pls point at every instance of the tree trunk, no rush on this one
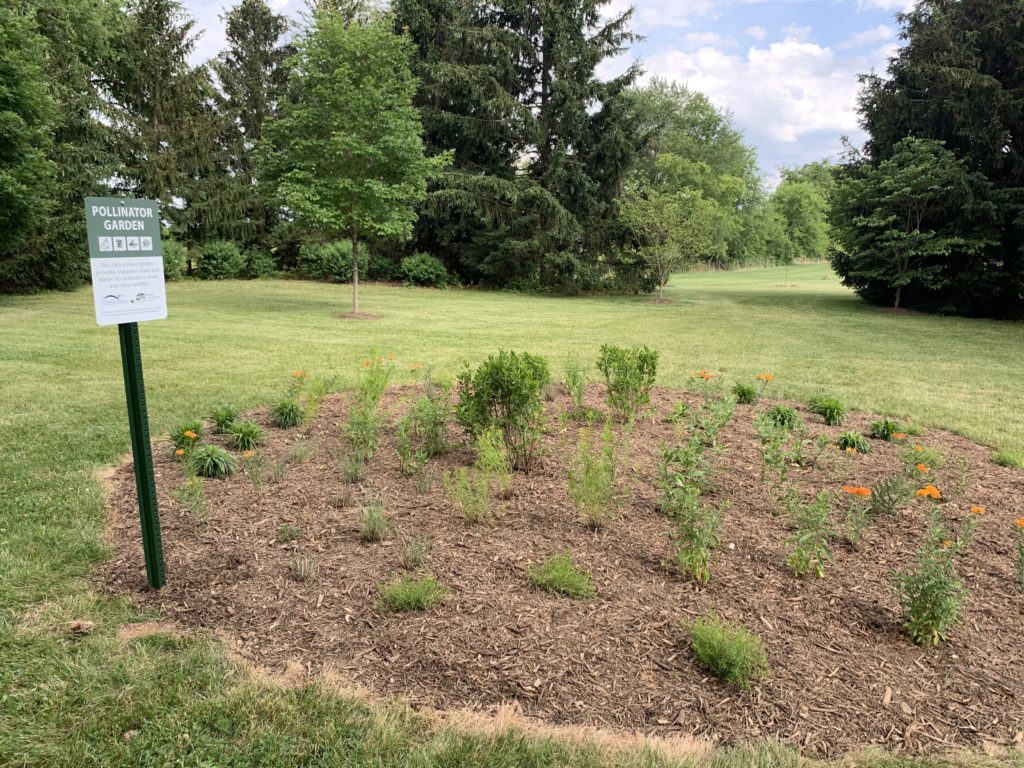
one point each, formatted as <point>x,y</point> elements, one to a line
<point>899,290</point>
<point>661,291</point>
<point>355,271</point>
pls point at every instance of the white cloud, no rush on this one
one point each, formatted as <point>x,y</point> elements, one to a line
<point>880,34</point>
<point>712,39</point>
<point>796,32</point>
<point>757,32</point>
<point>886,5</point>
<point>654,14</point>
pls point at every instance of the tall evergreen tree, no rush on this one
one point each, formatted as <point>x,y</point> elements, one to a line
<point>26,123</point>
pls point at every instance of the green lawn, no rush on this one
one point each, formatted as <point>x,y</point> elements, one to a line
<point>69,701</point>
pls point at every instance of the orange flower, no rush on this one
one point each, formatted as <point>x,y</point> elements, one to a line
<point>918,448</point>
<point>179,452</point>
<point>856,490</point>
<point>415,367</point>
<point>899,435</point>
<point>850,449</point>
<point>390,356</point>
<point>947,543</point>
<point>929,491</point>
<point>765,377</point>
<point>248,454</point>
<point>922,469</point>
<point>1020,523</point>
<point>190,434</point>
<point>978,509</point>
<point>299,374</point>
<point>366,363</point>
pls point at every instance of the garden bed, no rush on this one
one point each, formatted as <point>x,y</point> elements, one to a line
<point>843,673</point>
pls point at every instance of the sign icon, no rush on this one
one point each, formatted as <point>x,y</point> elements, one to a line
<point>106,244</point>
<point>120,244</point>
<point>133,243</point>
<point>145,243</point>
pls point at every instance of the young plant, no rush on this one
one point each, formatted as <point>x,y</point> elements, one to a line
<point>408,594</point>
<point>192,495</point>
<point>287,533</point>
<point>576,383</point>
<point>784,417</point>
<point>223,417</point>
<point>315,391</point>
<point>697,534</point>
<point>853,440</point>
<point>362,430</point>
<point>915,453</point>
<point>931,594</point>
<point>286,414</point>
<point>1019,526</point>
<point>429,420</point>
<point>403,446</point>
<point>255,467</point>
<point>351,464</point>
<point>493,462</point>
<point>592,477</point>
<point>414,553</point>
<point>745,394</point>
<point>728,651</point>
<point>830,409</point>
<point>680,413</point>
<point>884,429</point>
<point>246,435</point>
<point>858,513</point>
<point>470,492</point>
<point>560,575</point>
<point>809,548</point>
<point>300,451</point>
<point>211,461</point>
<point>373,524</point>
<point>628,376</point>
<point>505,392</point>
<point>890,494</point>
<point>305,568</point>
<point>187,435</point>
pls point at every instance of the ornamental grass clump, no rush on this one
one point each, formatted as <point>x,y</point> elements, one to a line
<point>809,542</point>
<point>830,409</point>
<point>362,429</point>
<point>470,492</point>
<point>884,429</point>
<point>931,593</point>
<point>505,392</point>
<point>729,651</point>
<point>246,435</point>
<point>373,524</point>
<point>560,575</point>
<point>223,417</point>
<point>784,417</point>
<point>286,414</point>
<point>211,461</point>
<point>629,374</point>
<point>745,394</point>
<point>188,434</point>
<point>406,593</point>
<point>591,477</point>
<point>855,441</point>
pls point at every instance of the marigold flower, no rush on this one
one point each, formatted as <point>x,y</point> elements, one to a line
<point>850,449</point>
<point>299,374</point>
<point>856,490</point>
<point>929,491</point>
<point>190,434</point>
<point>899,435</point>
<point>922,469</point>
<point>390,356</point>
<point>978,509</point>
<point>947,543</point>
<point>179,452</point>
<point>766,377</point>
<point>1020,523</point>
<point>918,448</point>
<point>366,363</point>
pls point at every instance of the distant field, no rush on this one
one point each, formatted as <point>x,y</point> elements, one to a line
<point>70,701</point>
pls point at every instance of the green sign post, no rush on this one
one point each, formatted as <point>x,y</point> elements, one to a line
<point>126,261</point>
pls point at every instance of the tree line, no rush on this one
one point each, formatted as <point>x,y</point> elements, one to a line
<point>458,140</point>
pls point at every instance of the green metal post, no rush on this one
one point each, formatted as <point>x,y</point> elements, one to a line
<point>142,455</point>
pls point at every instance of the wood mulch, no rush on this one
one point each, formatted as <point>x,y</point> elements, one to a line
<point>843,673</point>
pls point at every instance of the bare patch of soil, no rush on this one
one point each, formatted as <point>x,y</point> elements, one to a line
<point>843,674</point>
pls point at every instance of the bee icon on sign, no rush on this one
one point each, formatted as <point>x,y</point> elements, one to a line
<point>120,244</point>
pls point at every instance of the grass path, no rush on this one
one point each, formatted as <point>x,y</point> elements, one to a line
<point>69,701</point>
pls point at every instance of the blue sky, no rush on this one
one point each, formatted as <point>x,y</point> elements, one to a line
<point>786,69</point>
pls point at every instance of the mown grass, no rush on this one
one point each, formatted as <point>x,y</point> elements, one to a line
<point>97,700</point>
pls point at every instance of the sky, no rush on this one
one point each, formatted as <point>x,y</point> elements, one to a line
<point>786,69</point>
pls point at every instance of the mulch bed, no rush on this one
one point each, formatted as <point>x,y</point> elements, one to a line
<point>843,673</point>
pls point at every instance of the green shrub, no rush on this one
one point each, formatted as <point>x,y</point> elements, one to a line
<point>745,394</point>
<point>470,492</point>
<point>219,260</point>
<point>576,382</point>
<point>286,414</point>
<point>492,460</point>
<point>592,477</point>
<point>931,594</point>
<point>809,544</point>
<point>187,434</point>
<point>628,375</point>
<point>884,429</point>
<point>374,524</point>
<point>890,494</point>
<point>853,441</point>
<point>175,259</point>
<point>330,262</point>
<point>698,526</point>
<point>505,392</point>
<point>784,417</point>
<point>257,263</point>
<point>728,651</point>
<point>424,269</point>
<point>408,594</point>
<point>223,417</point>
<point>830,409</point>
<point>211,461</point>
<point>384,267</point>
<point>560,575</point>
<point>429,419</point>
<point>246,435</point>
